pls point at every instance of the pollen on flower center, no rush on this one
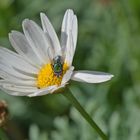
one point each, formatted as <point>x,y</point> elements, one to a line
<point>46,76</point>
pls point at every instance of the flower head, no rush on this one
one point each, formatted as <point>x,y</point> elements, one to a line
<point>42,64</point>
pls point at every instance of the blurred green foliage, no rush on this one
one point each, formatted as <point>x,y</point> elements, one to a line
<point>109,39</point>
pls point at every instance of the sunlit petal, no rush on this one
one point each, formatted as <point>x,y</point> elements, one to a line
<point>21,45</point>
<point>16,88</point>
<point>67,75</point>
<point>18,62</point>
<point>69,33</point>
<point>43,91</point>
<point>48,28</point>
<point>91,76</point>
<point>37,40</point>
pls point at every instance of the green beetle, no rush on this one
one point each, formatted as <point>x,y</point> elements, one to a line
<point>57,66</point>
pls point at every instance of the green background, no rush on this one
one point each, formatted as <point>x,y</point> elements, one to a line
<point>109,41</point>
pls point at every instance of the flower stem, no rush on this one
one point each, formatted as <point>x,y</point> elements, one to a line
<point>85,115</point>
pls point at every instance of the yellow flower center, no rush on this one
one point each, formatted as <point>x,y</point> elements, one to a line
<point>47,77</point>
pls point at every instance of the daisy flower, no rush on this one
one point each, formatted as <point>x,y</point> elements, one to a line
<point>42,64</point>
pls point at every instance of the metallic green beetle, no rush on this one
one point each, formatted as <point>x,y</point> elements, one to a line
<point>57,66</point>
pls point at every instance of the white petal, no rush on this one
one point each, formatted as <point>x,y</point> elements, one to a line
<point>23,82</point>
<point>16,88</point>
<point>69,24</point>
<point>4,68</point>
<point>14,93</point>
<point>43,91</point>
<point>21,45</point>
<point>51,53</point>
<point>48,28</point>
<point>69,33</point>
<point>20,82</point>
<point>16,61</point>
<point>91,76</point>
<point>67,75</point>
<point>36,39</point>
<point>14,79</point>
<point>69,52</point>
<point>58,87</point>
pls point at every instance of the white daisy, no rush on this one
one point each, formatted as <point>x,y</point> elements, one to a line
<point>42,64</point>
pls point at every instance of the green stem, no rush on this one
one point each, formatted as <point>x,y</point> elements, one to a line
<point>82,111</point>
